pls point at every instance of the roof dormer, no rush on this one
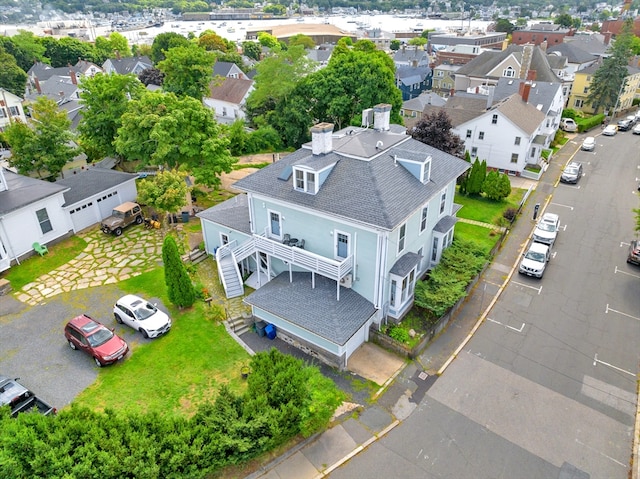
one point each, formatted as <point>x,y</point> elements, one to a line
<point>418,166</point>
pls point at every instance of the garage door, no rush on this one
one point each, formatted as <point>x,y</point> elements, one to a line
<point>84,216</point>
<point>107,202</point>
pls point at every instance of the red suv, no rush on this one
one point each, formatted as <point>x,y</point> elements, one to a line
<point>95,339</point>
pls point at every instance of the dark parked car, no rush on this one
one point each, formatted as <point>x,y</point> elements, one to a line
<point>20,399</point>
<point>634,252</point>
<point>95,339</point>
<point>625,125</point>
<point>572,173</point>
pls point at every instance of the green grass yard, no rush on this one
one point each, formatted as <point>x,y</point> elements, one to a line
<point>482,209</point>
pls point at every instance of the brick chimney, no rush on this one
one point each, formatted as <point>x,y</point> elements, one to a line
<point>544,45</point>
<point>74,78</point>
<point>321,139</point>
<point>117,52</point>
<point>525,89</point>
<point>37,84</point>
<point>532,75</point>
<point>381,116</point>
<point>607,37</point>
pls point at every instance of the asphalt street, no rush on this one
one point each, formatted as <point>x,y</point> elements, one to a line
<point>546,387</point>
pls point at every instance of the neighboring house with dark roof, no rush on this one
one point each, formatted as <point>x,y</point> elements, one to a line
<point>30,211</point>
<point>576,59</point>
<point>334,236</point>
<point>126,65</point>
<point>513,62</point>
<point>413,80</point>
<point>228,98</point>
<point>411,56</point>
<point>509,134</point>
<point>60,89</point>
<point>93,192</point>
<point>10,108</point>
<point>320,56</point>
<point>228,70</point>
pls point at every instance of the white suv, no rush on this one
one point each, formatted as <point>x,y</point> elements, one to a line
<point>535,260</point>
<point>547,229</point>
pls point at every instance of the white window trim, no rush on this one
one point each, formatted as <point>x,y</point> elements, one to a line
<point>424,218</point>
<point>402,240</point>
<point>404,289</point>
<point>271,233</point>
<point>305,182</point>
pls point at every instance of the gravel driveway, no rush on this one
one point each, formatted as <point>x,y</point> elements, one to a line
<point>33,347</point>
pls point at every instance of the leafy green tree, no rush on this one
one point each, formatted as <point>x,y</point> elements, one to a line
<point>332,95</point>
<point>504,25</point>
<point>179,286</point>
<point>277,76</point>
<point>435,129</point>
<point>115,46</point>
<point>364,45</point>
<point>141,50</point>
<point>211,41</point>
<point>495,187</point>
<point>276,9</point>
<point>12,77</point>
<point>105,99</point>
<point>187,70</point>
<point>267,40</point>
<point>166,192</point>
<point>25,47</point>
<point>394,45</point>
<point>67,51</point>
<point>45,147</point>
<point>252,49</point>
<point>564,20</point>
<point>610,78</point>
<point>418,41</point>
<point>165,41</point>
<point>476,177</point>
<point>637,212</point>
<point>301,39</point>
<point>162,129</point>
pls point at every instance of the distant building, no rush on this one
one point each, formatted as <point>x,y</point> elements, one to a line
<point>542,32</point>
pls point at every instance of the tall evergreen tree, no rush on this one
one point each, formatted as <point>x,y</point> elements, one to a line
<point>179,286</point>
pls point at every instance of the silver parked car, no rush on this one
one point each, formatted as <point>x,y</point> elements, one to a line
<point>572,173</point>
<point>535,260</point>
<point>547,229</point>
<point>589,143</point>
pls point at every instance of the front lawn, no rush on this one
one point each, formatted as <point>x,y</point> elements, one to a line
<point>176,372</point>
<point>482,209</point>
<point>483,237</point>
<point>35,266</point>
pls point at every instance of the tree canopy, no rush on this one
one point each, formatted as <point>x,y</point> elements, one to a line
<point>44,147</point>
<point>163,42</point>
<point>434,129</point>
<point>12,77</point>
<point>355,79</point>
<point>162,129</point>
<point>166,192</point>
<point>105,99</point>
<point>188,70</point>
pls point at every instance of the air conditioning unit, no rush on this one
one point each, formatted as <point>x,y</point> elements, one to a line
<point>347,281</point>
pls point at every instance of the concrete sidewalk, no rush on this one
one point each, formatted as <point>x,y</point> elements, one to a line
<point>404,390</point>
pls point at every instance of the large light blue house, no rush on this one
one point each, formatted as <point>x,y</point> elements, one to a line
<point>334,236</point>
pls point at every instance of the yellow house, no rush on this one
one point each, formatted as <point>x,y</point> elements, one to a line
<point>582,82</point>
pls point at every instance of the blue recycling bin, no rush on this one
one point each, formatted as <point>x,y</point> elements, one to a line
<point>270,331</point>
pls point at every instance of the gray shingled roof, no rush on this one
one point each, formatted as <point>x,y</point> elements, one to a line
<point>541,93</point>
<point>426,98</point>
<point>86,183</point>
<point>526,116</point>
<point>232,213</point>
<point>233,90</point>
<point>362,187</point>
<point>314,309</point>
<point>445,224</point>
<point>410,75</point>
<point>23,190</point>
<point>488,60</point>
<point>405,264</point>
<point>458,116</point>
<point>573,53</point>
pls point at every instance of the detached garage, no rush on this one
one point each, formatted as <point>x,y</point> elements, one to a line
<point>94,192</point>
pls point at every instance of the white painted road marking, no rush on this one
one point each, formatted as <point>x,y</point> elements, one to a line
<point>539,290</point>
<point>564,206</point>
<point>620,312</point>
<point>596,361</point>
<point>625,272</point>
<point>506,325</point>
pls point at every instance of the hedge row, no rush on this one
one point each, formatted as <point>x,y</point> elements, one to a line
<point>284,398</point>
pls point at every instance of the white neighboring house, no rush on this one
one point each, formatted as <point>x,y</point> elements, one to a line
<point>30,211</point>
<point>10,109</point>
<point>228,98</point>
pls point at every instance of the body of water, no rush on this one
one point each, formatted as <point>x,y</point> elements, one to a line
<point>236,30</point>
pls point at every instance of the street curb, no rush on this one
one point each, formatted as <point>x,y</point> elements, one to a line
<point>357,450</point>
<point>635,461</point>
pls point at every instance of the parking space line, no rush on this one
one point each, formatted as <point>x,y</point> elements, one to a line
<point>563,227</point>
<point>620,312</point>
<point>622,243</point>
<point>564,206</point>
<point>596,361</point>
<point>506,325</point>
<point>539,290</point>
<point>625,272</point>
<point>601,453</point>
